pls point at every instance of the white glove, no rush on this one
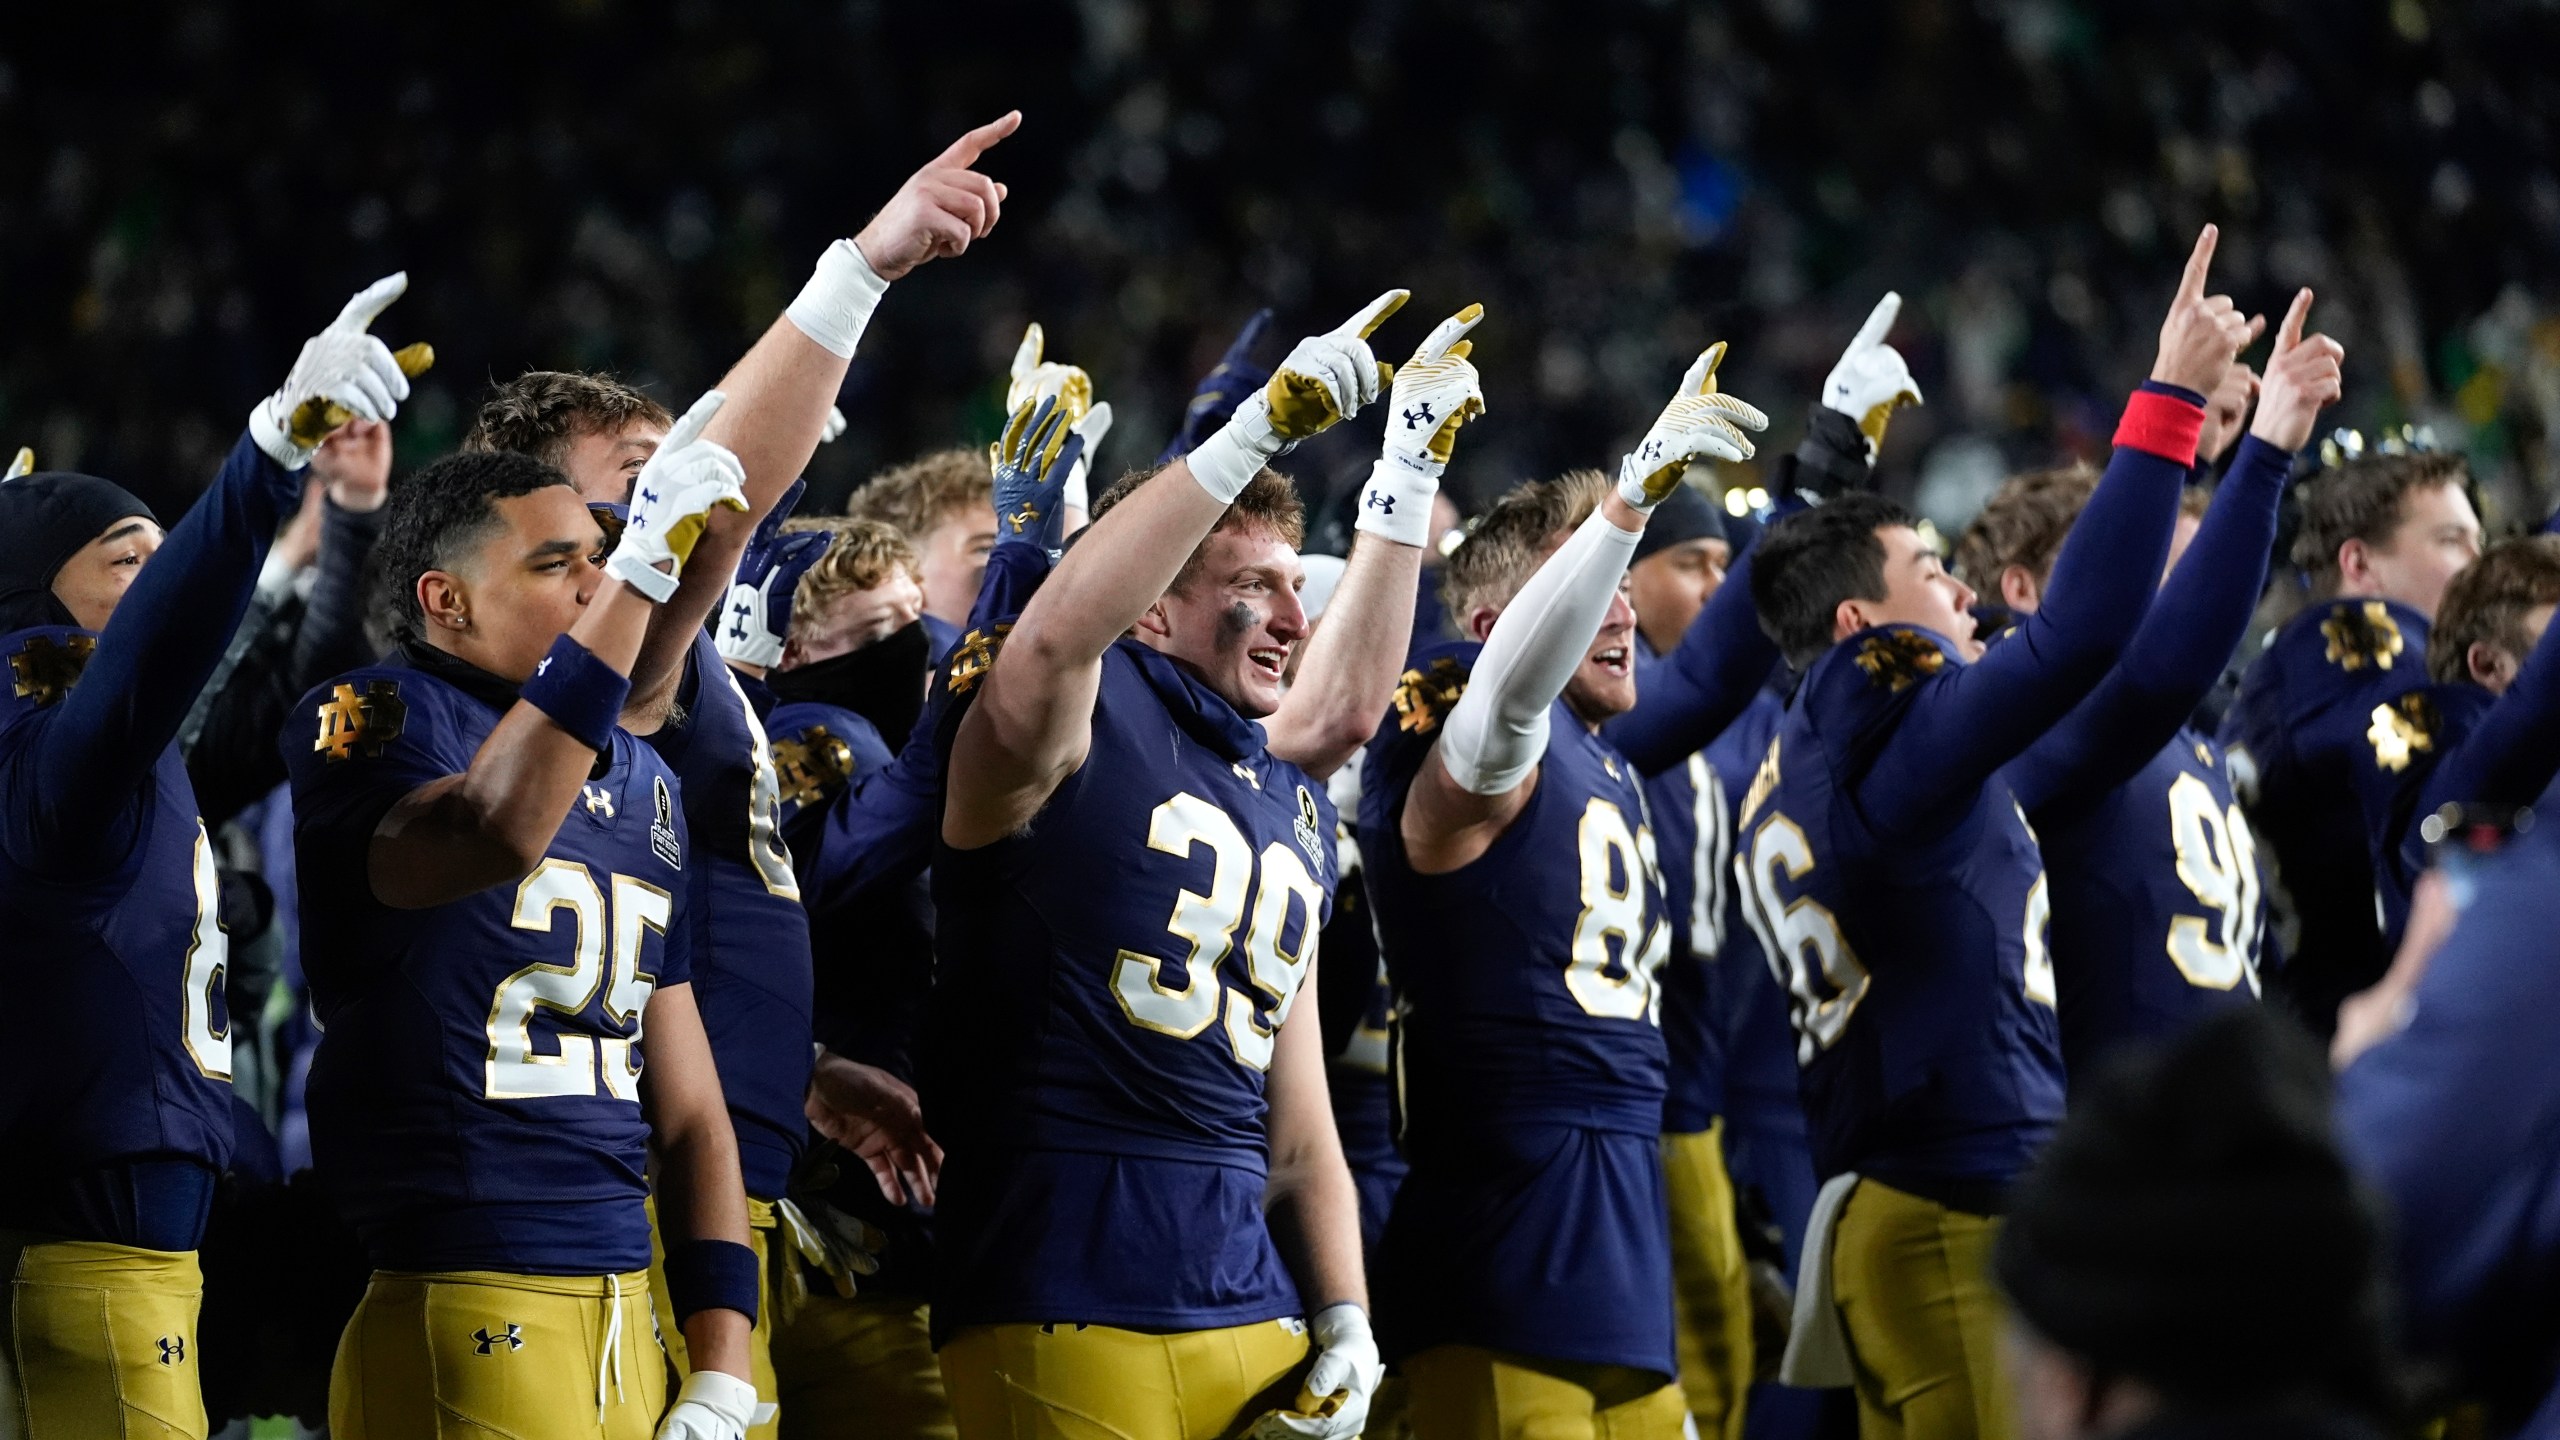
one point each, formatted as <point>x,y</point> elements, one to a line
<point>1347,1367</point>
<point>1325,380</point>
<point>1872,381</point>
<point>343,366</point>
<point>1077,493</point>
<point>710,1406</point>
<point>1436,392</point>
<point>1698,421</point>
<point>833,428</point>
<point>672,501</point>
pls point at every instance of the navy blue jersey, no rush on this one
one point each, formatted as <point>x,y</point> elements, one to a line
<point>1759,1042</point>
<point>1109,985</point>
<point>1923,994</point>
<point>2452,1120</point>
<point>125,963</point>
<point>750,940</point>
<point>1361,1084</point>
<point>1693,840</point>
<point>2297,737</point>
<point>1530,1049</point>
<point>475,1102</point>
<point>2158,912</point>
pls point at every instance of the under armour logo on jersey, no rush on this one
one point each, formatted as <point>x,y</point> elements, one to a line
<point>599,800</point>
<point>173,1350</point>
<point>1245,775</point>
<point>1419,416</point>
<point>512,1337</point>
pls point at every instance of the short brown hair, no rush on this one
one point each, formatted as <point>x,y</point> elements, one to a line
<point>542,412</point>
<point>927,492</point>
<point>1505,547</point>
<point>2486,603</point>
<point>2362,500</point>
<point>1268,502</point>
<point>865,553</point>
<point>2024,524</point>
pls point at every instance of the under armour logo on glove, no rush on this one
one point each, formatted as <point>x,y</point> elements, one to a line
<point>512,1337</point>
<point>1419,416</point>
<point>173,1350</point>
<point>647,497</point>
<point>1381,502</point>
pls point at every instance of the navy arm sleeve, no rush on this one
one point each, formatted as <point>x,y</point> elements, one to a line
<point>1721,662</point>
<point>2512,755</point>
<point>167,635</point>
<point>1964,726</point>
<point>2175,659</point>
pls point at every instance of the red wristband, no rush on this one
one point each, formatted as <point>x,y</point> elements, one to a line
<point>2162,425</point>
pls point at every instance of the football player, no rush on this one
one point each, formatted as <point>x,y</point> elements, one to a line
<point>2157,910</point>
<point>2380,540</point>
<point>1131,875</point>
<point>1680,563</point>
<point>1494,814</point>
<point>117,1110</point>
<point>751,933</point>
<point>494,904</point>
<point>2486,732</point>
<point>1890,873</point>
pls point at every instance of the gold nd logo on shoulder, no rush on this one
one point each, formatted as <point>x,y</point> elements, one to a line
<point>974,656</point>
<point>2402,729</point>
<point>1898,659</point>
<point>810,764</point>
<point>47,666</point>
<point>1425,698</point>
<point>371,719</point>
<point>2362,637</point>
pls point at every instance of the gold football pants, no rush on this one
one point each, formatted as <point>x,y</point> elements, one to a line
<point>1710,1282</point>
<point>509,1357</point>
<point>1912,1279</point>
<point>860,1369</point>
<point>1464,1392</point>
<point>1093,1382</point>
<point>761,1225</point>
<point>98,1341</point>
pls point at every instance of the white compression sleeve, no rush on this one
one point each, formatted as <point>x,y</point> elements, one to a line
<point>1498,729</point>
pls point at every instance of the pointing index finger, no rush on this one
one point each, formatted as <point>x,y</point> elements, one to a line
<point>1448,333</point>
<point>1373,314</point>
<point>964,152</point>
<point>2199,264</point>
<point>1879,322</point>
<point>372,300</point>
<point>2289,333</point>
<point>690,425</point>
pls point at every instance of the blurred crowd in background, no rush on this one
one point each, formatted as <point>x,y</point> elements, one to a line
<point>636,187</point>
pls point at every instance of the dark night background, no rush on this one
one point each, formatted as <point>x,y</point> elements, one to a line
<point>190,189</point>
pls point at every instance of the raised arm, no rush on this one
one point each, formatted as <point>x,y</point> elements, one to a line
<point>491,823</point>
<point>1962,726</point>
<point>1351,665</point>
<point>2203,609</point>
<point>781,391</point>
<point>171,628</point>
<point>1032,721</point>
<point>1483,768</point>
<point>1722,661</point>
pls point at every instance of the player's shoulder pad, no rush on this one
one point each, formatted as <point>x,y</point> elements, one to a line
<point>818,749</point>
<point>1428,690</point>
<point>44,664</point>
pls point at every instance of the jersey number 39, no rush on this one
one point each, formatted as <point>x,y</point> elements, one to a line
<point>1177,827</point>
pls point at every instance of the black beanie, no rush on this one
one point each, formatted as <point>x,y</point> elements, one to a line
<point>45,519</point>
<point>2194,1226</point>
<point>1682,516</point>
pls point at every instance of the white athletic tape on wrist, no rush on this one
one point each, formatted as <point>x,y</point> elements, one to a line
<point>836,304</point>
<point>1396,503</point>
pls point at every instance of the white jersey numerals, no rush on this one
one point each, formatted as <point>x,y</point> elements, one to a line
<point>1209,922</point>
<point>1712,860</point>
<point>1618,863</point>
<point>208,962</point>
<point>1802,938</point>
<point>2218,862</point>
<point>515,1071</point>
<point>764,804</point>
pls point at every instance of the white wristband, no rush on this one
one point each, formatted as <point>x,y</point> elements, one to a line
<point>836,304</point>
<point>1226,462</point>
<point>1396,503</point>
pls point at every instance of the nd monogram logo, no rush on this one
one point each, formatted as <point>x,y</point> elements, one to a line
<point>512,1337</point>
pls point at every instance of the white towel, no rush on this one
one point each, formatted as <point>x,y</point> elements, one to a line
<point>1817,1345</point>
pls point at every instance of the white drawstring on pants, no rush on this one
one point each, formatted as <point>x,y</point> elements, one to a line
<point>611,1361</point>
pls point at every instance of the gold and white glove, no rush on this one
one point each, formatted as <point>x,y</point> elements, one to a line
<point>1872,380</point>
<point>671,502</point>
<point>1698,421</point>
<point>1436,392</point>
<point>1325,380</point>
<point>341,374</point>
